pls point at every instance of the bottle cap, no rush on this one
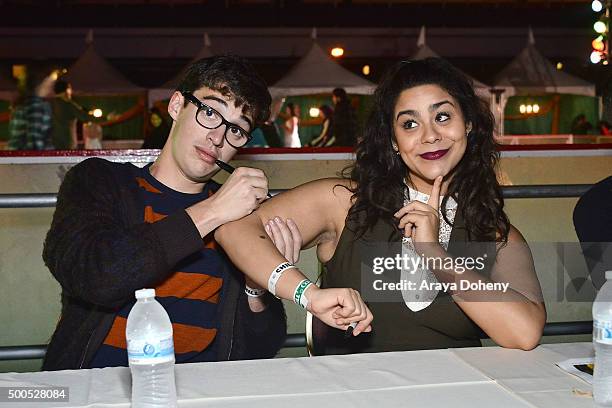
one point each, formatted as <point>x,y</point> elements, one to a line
<point>608,275</point>
<point>145,293</point>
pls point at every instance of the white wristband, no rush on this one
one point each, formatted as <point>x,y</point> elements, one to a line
<point>276,274</point>
<point>252,292</point>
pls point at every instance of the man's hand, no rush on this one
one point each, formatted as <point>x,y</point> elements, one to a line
<point>239,196</point>
<point>338,307</point>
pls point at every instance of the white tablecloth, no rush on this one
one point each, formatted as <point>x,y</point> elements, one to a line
<point>474,377</point>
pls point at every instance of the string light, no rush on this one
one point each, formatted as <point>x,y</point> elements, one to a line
<point>337,52</point>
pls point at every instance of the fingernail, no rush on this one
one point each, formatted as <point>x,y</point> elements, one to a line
<point>277,219</point>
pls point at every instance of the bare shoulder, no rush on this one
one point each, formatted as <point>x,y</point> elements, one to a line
<point>514,235</point>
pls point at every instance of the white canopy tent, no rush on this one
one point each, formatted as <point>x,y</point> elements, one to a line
<point>423,51</point>
<point>91,74</point>
<point>165,91</point>
<point>531,73</point>
<point>317,73</point>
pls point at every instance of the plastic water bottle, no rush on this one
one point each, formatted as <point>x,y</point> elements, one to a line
<point>150,353</point>
<point>602,342</point>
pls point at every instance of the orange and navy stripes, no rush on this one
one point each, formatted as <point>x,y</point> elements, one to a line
<point>191,295</point>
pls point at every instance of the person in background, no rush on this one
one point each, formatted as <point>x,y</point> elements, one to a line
<point>31,119</point>
<point>291,127</point>
<point>66,113</point>
<point>593,224</point>
<point>158,130</point>
<point>580,125</point>
<point>271,133</point>
<point>326,138</point>
<point>604,128</point>
<point>118,228</point>
<point>344,119</point>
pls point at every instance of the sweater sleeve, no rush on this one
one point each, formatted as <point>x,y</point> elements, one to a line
<point>95,253</point>
<point>262,334</point>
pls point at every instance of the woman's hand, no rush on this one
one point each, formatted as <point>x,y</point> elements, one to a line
<point>421,222</point>
<point>338,307</point>
<point>286,237</point>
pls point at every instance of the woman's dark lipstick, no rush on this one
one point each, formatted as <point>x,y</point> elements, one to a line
<point>434,155</point>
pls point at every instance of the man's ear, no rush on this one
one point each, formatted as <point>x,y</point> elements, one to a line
<point>175,105</point>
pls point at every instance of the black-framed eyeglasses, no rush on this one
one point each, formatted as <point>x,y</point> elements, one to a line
<point>209,118</point>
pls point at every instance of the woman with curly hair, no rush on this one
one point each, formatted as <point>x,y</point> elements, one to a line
<point>423,188</point>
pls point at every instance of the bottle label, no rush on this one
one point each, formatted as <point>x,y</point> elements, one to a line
<point>150,351</point>
<point>602,331</point>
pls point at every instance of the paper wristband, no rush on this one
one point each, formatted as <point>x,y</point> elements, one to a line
<point>299,296</point>
<point>276,274</point>
<point>252,292</point>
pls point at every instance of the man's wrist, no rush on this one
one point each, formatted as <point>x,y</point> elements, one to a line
<point>205,218</point>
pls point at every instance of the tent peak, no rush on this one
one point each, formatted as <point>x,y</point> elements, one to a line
<point>421,40</point>
<point>530,37</point>
<point>89,37</point>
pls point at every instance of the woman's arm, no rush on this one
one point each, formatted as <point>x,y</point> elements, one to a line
<point>515,318</point>
<point>321,139</point>
<point>319,209</point>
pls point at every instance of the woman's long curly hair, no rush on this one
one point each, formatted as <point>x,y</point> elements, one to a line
<point>380,174</point>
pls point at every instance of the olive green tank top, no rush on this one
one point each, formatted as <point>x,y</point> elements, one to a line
<point>395,327</point>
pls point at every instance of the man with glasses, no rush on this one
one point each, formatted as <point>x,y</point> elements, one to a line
<point>118,228</point>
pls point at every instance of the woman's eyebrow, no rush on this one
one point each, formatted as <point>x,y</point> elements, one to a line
<point>436,105</point>
<point>407,112</point>
<point>432,108</point>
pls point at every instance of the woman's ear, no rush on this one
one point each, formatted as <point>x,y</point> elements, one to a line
<point>468,128</point>
<point>175,105</point>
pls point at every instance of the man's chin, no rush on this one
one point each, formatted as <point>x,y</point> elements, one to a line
<point>199,178</point>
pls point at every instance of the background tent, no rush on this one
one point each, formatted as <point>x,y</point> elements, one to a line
<point>317,73</point>
<point>309,84</point>
<point>97,84</point>
<point>8,92</point>
<point>165,91</point>
<point>423,51</point>
<point>530,78</point>
<point>531,73</point>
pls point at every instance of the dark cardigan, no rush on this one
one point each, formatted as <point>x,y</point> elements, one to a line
<point>100,251</point>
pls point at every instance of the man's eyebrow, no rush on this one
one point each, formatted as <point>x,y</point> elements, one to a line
<point>247,120</point>
<point>224,103</point>
<point>214,98</point>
